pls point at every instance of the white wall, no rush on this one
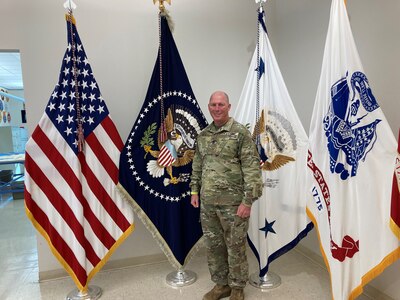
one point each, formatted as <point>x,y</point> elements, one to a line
<point>298,35</point>
<point>216,40</point>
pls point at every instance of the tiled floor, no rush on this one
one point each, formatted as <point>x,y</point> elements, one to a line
<point>301,277</point>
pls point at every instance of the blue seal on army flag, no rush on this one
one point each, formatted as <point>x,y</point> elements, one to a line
<point>155,164</point>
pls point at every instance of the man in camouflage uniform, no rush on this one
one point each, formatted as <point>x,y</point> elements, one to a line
<point>227,178</point>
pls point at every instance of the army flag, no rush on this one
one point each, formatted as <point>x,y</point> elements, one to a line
<point>395,207</point>
<point>278,219</point>
<point>351,158</point>
<point>155,164</point>
<point>71,176</point>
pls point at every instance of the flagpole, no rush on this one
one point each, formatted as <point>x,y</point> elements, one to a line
<point>180,277</point>
<point>92,292</point>
<point>270,280</point>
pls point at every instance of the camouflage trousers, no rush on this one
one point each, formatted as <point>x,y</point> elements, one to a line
<point>225,237</point>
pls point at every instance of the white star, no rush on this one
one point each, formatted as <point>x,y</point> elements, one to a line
<point>85,73</point>
<point>93,85</point>
<point>90,120</point>
<point>66,71</point>
<point>84,96</point>
<point>63,95</point>
<point>83,108</point>
<point>59,119</point>
<point>51,106</point>
<point>79,48</point>
<point>71,107</point>
<point>73,83</point>
<point>91,108</point>
<point>70,119</point>
<point>68,131</point>
<point>61,107</point>
<point>86,61</point>
<point>72,95</point>
<point>92,97</point>
<point>84,84</point>
<point>54,95</point>
<point>100,109</point>
<point>64,83</point>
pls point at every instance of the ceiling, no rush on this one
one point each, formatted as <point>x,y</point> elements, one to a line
<point>10,71</point>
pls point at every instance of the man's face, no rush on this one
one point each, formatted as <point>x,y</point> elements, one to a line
<point>219,109</point>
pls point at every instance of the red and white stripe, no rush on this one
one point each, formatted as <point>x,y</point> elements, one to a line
<point>165,157</point>
<point>73,200</point>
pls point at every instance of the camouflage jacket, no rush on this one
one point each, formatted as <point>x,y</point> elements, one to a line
<point>226,166</point>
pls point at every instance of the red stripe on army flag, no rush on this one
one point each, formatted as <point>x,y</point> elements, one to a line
<point>395,207</point>
<point>278,218</point>
<point>352,151</point>
<point>70,193</point>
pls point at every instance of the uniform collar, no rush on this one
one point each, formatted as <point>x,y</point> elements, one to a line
<point>226,127</point>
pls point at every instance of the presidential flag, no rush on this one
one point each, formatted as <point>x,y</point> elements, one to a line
<point>155,163</point>
<point>395,207</point>
<point>71,175</point>
<point>351,158</point>
<point>278,219</point>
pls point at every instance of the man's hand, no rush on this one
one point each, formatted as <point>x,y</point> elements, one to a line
<point>195,201</point>
<point>243,211</point>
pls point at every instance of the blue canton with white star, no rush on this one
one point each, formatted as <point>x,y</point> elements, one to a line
<point>61,108</point>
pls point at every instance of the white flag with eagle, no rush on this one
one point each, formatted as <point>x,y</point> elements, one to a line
<point>278,219</point>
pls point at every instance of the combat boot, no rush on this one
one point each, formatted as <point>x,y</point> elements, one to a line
<point>237,294</point>
<point>219,291</point>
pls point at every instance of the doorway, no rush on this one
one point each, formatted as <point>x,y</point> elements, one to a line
<point>18,248</point>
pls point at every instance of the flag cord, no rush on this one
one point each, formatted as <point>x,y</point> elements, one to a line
<point>163,129</point>
<point>257,124</point>
<point>81,139</point>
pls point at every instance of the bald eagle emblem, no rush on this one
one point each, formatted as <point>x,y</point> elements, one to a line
<point>276,140</point>
<point>175,142</point>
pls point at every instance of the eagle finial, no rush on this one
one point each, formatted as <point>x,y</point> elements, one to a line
<point>161,4</point>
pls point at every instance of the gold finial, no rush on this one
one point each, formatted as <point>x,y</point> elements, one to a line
<point>161,4</point>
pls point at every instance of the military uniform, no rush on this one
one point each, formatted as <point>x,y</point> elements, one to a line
<point>226,172</point>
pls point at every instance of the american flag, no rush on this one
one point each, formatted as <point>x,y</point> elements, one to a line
<point>71,195</point>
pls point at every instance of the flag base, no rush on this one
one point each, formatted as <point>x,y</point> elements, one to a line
<point>93,292</point>
<point>269,281</point>
<point>181,278</point>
